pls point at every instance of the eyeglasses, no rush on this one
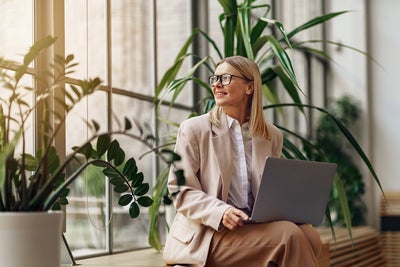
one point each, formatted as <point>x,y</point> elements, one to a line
<point>225,79</point>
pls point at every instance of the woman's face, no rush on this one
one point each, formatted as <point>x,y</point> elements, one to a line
<point>235,95</point>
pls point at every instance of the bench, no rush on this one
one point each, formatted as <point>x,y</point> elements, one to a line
<point>390,228</point>
<point>364,249</point>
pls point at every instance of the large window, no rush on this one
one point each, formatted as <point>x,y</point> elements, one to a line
<point>123,43</point>
<point>128,44</point>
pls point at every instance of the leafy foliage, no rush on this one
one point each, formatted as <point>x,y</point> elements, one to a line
<point>38,182</point>
<point>332,144</point>
<point>255,37</point>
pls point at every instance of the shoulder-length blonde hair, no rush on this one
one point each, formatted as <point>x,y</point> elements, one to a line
<point>249,69</point>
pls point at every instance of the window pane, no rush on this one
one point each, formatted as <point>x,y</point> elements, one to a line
<point>132,233</point>
<point>131,46</point>
<point>85,37</point>
<point>16,29</point>
<point>172,33</point>
<point>86,213</point>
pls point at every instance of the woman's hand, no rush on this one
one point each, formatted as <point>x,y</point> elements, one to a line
<point>233,218</point>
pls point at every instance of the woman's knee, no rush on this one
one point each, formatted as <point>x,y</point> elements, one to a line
<point>313,238</point>
<point>300,234</point>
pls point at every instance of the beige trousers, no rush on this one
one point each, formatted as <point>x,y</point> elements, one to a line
<point>281,243</point>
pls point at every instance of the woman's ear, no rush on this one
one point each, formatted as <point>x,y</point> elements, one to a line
<point>250,89</point>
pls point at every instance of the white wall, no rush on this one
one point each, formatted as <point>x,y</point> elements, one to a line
<point>371,26</point>
<point>385,90</point>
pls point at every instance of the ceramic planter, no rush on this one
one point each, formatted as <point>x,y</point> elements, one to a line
<point>30,239</point>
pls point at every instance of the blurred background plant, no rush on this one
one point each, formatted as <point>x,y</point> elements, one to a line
<point>331,142</point>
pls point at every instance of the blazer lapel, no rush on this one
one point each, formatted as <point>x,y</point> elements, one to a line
<point>222,149</point>
<point>260,150</point>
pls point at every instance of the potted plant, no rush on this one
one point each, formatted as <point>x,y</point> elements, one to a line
<point>253,38</point>
<point>329,140</point>
<point>33,185</point>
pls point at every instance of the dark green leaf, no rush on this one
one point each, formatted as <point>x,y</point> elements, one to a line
<point>63,201</point>
<point>121,188</point>
<point>137,179</point>
<point>145,201</point>
<point>100,163</point>
<point>87,150</point>
<point>180,177</point>
<point>117,181</point>
<point>103,143</point>
<point>142,189</point>
<point>113,150</point>
<point>128,124</point>
<point>134,210</point>
<point>125,200</point>
<point>96,125</point>
<point>130,168</point>
<point>167,200</point>
<point>173,156</point>
<point>119,157</point>
<point>111,173</point>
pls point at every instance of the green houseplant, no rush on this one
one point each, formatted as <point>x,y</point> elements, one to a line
<point>37,183</point>
<point>266,41</point>
<point>329,140</point>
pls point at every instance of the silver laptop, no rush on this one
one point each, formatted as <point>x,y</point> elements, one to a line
<point>293,190</point>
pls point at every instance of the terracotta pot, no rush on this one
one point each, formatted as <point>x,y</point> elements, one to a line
<point>30,239</point>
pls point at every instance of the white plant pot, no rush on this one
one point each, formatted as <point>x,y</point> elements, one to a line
<point>30,239</point>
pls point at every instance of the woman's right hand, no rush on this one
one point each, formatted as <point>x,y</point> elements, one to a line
<point>233,218</point>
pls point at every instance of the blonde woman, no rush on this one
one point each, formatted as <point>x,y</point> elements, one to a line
<point>223,154</point>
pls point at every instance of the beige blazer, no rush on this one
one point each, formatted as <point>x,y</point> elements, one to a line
<point>207,163</point>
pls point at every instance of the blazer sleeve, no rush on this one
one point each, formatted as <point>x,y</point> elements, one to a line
<point>192,201</point>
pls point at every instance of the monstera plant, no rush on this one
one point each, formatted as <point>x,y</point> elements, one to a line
<point>266,41</point>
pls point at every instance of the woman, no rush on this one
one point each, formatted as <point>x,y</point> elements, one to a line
<point>223,154</point>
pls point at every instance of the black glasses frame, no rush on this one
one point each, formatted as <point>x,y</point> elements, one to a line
<point>213,79</point>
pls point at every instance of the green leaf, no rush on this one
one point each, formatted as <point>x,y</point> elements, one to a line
<point>180,177</point>
<point>31,162</point>
<point>113,150</point>
<point>313,22</point>
<point>283,59</point>
<point>121,188</point>
<point>109,172</point>
<point>119,157</point>
<point>167,200</point>
<point>100,163</point>
<point>87,150</point>
<point>103,142</point>
<point>142,189</point>
<point>134,210</point>
<point>130,168</point>
<point>280,27</point>
<point>128,124</point>
<point>95,125</point>
<point>117,181</point>
<point>137,179</point>
<point>244,22</point>
<point>145,201</point>
<point>125,200</point>
<point>291,87</point>
<point>173,156</point>
<point>38,47</point>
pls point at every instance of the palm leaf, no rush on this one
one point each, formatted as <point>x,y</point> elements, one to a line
<point>353,142</point>
<point>313,22</point>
